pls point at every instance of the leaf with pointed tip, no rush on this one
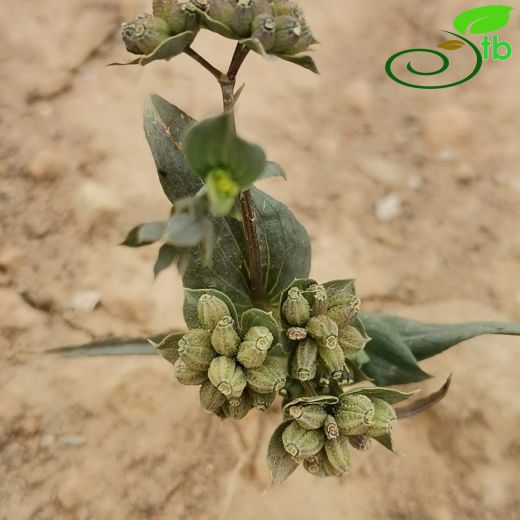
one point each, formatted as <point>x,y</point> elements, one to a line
<point>167,50</point>
<point>427,339</point>
<point>145,234</point>
<point>391,360</point>
<point>387,441</point>
<point>191,299</point>
<point>272,169</point>
<point>389,395</point>
<point>168,348</point>
<point>303,61</point>
<point>280,463</point>
<point>424,403</point>
<point>259,318</point>
<point>185,229</point>
<point>485,19</point>
<point>165,258</point>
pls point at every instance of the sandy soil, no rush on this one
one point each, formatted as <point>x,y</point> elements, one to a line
<point>119,439</point>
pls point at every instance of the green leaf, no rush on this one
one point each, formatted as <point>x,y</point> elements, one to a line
<point>391,360</point>
<point>167,50</point>
<point>389,395</point>
<point>213,144</point>
<point>387,441</point>
<point>145,234</point>
<point>165,258</point>
<point>339,292</point>
<point>191,298</point>
<point>259,318</point>
<point>272,169</point>
<point>280,463</point>
<point>168,348</point>
<point>425,340</point>
<point>303,61</point>
<point>164,126</point>
<point>485,19</point>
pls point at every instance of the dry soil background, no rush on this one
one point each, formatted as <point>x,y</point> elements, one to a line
<point>414,193</point>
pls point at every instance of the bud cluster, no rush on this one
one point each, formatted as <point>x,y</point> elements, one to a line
<point>321,435</point>
<point>234,368</point>
<point>322,330</point>
<point>276,26</point>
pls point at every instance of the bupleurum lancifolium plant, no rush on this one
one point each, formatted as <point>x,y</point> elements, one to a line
<point>258,326</point>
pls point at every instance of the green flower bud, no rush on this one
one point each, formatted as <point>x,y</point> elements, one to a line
<point>302,443</point>
<point>237,411</point>
<point>333,360</point>
<point>264,30</point>
<point>304,360</point>
<point>195,349</point>
<point>324,330</point>
<point>310,417</point>
<point>225,338</point>
<point>261,401</point>
<point>296,333</point>
<point>354,414</point>
<point>211,398</point>
<point>144,34</point>
<point>305,40</point>
<point>296,308</point>
<point>360,442</point>
<point>187,375</point>
<point>288,31</point>
<point>384,418</point>
<point>339,454</point>
<point>227,377</point>
<point>345,313</point>
<point>330,428</point>
<point>319,303</point>
<point>180,15</point>
<point>351,340</point>
<point>314,464</point>
<point>268,378</point>
<point>211,310</point>
<point>253,350</point>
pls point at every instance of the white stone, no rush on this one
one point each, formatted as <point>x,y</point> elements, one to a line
<point>388,208</point>
<point>85,301</point>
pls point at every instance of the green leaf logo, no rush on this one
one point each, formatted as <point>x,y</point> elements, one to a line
<point>483,19</point>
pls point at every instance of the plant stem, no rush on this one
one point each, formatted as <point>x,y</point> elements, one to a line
<point>309,388</point>
<point>227,85</point>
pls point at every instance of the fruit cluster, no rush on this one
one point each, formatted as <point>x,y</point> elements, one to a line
<point>322,431</point>
<point>234,368</point>
<point>322,331</point>
<point>267,26</point>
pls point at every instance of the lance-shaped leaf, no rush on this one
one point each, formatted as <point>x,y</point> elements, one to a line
<point>272,169</point>
<point>167,50</point>
<point>280,463</point>
<point>166,256</point>
<point>168,348</point>
<point>303,61</point>
<point>391,360</point>
<point>485,19</point>
<point>425,340</point>
<point>213,144</point>
<point>424,403</point>
<point>145,234</point>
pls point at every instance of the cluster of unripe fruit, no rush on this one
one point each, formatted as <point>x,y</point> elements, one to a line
<point>234,369</point>
<point>322,432</point>
<point>323,331</point>
<point>276,26</point>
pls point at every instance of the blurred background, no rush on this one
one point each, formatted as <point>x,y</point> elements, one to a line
<point>415,193</point>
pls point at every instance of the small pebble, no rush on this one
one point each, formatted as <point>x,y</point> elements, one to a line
<point>85,301</point>
<point>389,208</point>
<point>47,165</point>
<point>73,441</point>
<point>47,441</point>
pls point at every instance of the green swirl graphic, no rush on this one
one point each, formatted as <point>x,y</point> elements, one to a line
<point>442,68</point>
